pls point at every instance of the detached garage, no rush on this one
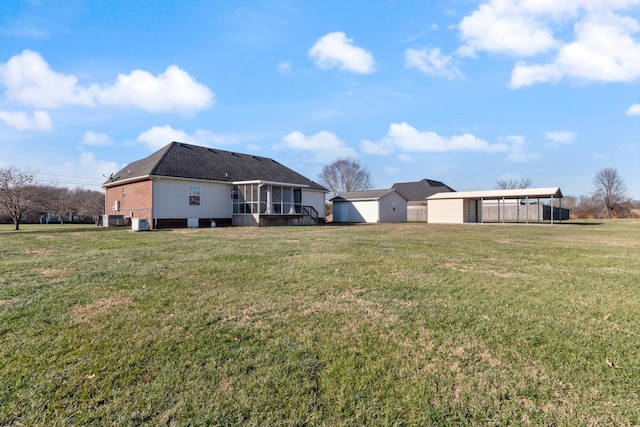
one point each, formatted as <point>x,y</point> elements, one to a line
<point>370,206</point>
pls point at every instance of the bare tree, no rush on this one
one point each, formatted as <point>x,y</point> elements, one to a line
<point>513,183</point>
<point>345,175</point>
<point>89,203</point>
<point>19,193</point>
<point>585,207</point>
<point>56,200</point>
<point>610,190</point>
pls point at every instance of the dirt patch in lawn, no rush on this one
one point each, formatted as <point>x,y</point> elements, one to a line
<point>40,251</point>
<point>353,307</point>
<point>477,270</point>
<point>88,312</point>
<point>54,273</point>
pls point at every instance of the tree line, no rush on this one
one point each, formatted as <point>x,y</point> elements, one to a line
<point>608,200</point>
<point>21,196</point>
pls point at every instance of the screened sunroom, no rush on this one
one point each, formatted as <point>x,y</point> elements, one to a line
<point>268,203</point>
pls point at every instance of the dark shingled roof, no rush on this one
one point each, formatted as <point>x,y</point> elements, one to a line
<point>420,190</point>
<point>179,160</point>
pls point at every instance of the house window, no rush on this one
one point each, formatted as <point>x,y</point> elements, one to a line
<point>194,195</point>
<point>124,192</point>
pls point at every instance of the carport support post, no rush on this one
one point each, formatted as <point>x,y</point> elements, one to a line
<point>481,210</point>
<point>502,209</point>
<point>526,210</point>
<point>551,210</point>
<point>560,210</point>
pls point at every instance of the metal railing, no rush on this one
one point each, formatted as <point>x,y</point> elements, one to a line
<point>310,212</point>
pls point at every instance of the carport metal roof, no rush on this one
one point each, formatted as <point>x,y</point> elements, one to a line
<point>522,193</point>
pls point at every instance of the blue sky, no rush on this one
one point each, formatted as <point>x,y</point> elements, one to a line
<point>465,92</point>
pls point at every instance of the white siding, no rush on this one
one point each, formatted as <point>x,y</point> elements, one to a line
<point>393,208</point>
<point>446,211</point>
<point>172,199</point>
<point>315,199</point>
<point>357,211</point>
<point>364,211</point>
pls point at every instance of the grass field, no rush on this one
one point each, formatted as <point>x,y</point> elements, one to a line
<point>388,324</point>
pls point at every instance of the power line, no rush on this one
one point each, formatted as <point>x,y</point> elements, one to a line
<point>68,179</point>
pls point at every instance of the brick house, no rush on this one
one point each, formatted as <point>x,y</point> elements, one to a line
<point>184,185</point>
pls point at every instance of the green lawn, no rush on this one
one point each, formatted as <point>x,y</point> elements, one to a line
<point>388,324</point>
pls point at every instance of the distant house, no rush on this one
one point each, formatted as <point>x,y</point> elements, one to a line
<point>417,192</point>
<point>370,206</point>
<point>183,185</point>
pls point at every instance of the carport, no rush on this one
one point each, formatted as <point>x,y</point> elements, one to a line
<point>511,206</point>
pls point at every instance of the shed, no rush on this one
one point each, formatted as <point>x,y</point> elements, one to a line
<point>370,206</point>
<point>467,206</point>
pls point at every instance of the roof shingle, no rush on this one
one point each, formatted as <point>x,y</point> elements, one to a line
<point>420,190</point>
<point>180,160</point>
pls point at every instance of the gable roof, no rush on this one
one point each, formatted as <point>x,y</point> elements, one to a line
<point>352,196</point>
<point>422,189</point>
<point>179,160</point>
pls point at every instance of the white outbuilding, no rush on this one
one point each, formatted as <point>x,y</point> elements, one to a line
<point>370,206</point>
<point>519,205</point>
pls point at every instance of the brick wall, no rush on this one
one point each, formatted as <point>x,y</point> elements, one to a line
<point>136,200</point>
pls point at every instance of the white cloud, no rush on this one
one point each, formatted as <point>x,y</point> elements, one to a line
<point>406,138</point>
<point>431,61</point>
<point>518,149</point>
<point>380,148</point>
<point>505,27</point>
<point>159,136</point>
<point>324,146</point>
<point>602,47</point>
<point>335,50</point>
<point>634,110</point>
<point>20,121</point>
<point>604,50</point>
<point>525,75</point>
<point>174,89</point>
<point>29,79</point>
<point>560,137</point>
<point>96,138</point>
